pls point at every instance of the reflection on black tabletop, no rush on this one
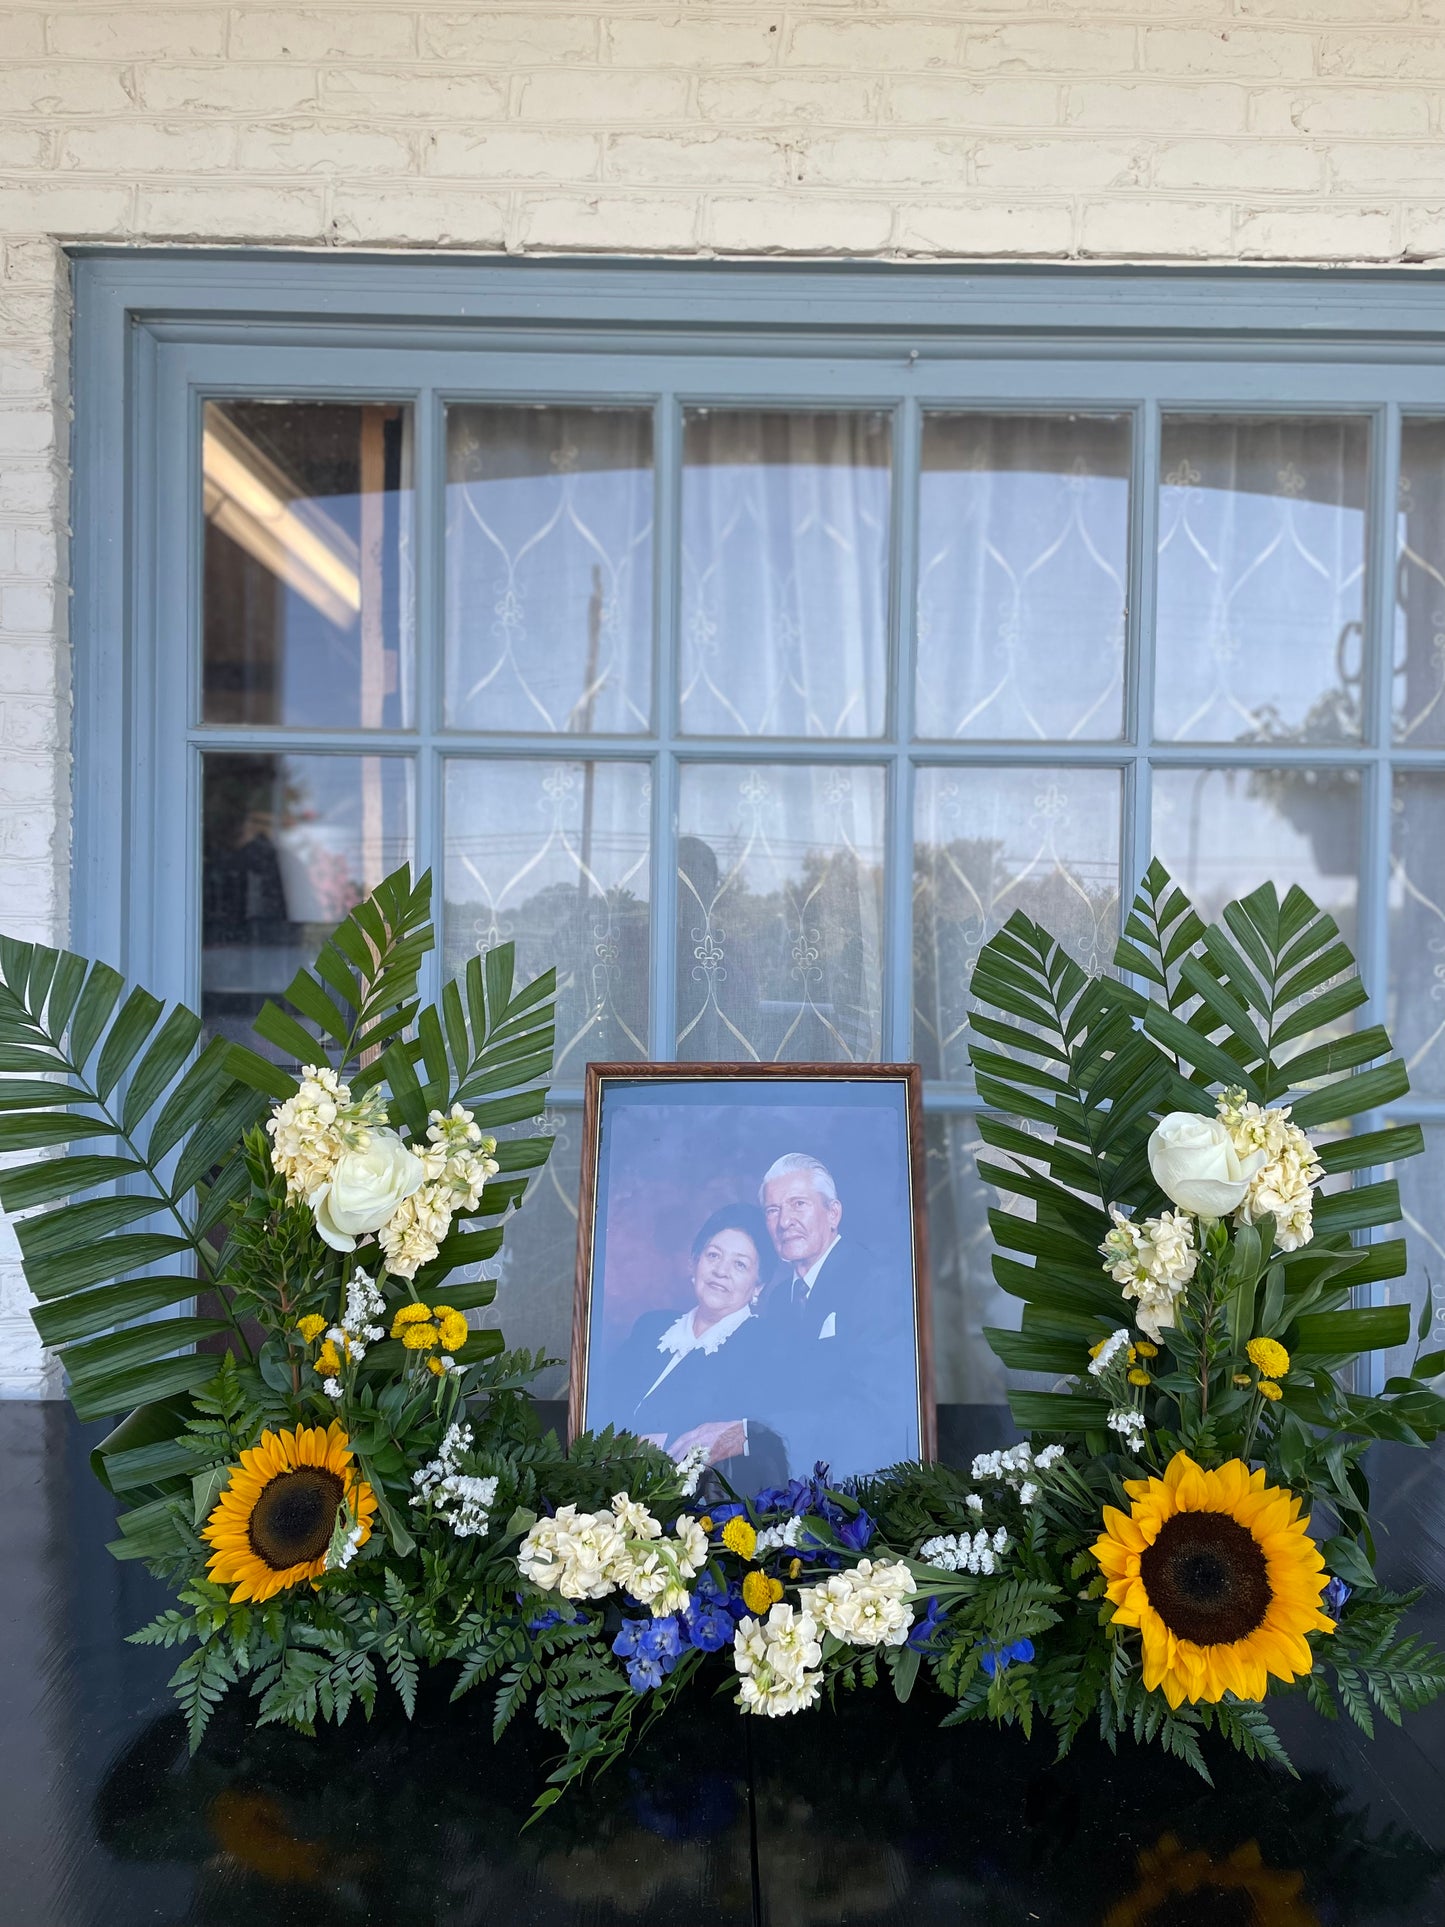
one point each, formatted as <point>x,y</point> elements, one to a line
<point>869,1814</point>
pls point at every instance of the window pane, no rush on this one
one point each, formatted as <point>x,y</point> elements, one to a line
<point>536,1273</point>
<point>1222,832</point>
<point>987,842</point>
<point>555,857</point>
<point>784,573</point>
<point>1417,929</point>
<point>289,845</point>
<point>1422,1223</point>
<point>1420,587</point>
<point>780,913</point>
<point>307,596</point>
<point>960,1246</point>
<point>549,568</point>
<point>1261,580</point>
<point>1022,564</point>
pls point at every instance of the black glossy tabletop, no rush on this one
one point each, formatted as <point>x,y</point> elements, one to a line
<point>868,1815</point>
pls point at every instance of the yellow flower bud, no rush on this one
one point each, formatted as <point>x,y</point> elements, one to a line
<point>1268,1389</point>
<point>1139,1377</point>
<point>1145,1349</point>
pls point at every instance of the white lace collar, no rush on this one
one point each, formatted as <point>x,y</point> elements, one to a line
<point>680,1339</point>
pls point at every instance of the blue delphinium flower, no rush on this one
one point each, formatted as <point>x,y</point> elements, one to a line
<point>855,1533</point>
<point>924,1633</point>
<point>544,1622</point>
<point>651,1648</point>
<point>1335,1595</point>
<point>711,1620</point>
<point>997,1659</point>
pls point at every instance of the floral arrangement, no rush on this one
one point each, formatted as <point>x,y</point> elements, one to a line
<point>356,1485</point>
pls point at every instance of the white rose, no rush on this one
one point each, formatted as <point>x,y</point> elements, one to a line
<point>365,1188</point>
<point>1196,1165</point>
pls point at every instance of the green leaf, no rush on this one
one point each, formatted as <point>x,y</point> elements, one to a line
<point>28,1185</point>
<point>96,1358</point>
<point>74,1227</point>
<point>98,999</point>
<point>173,1045</point>
<point>101,1397</point>
<point>1058,1411</point>
<point>109,1258</point>
<point>1365,1328</point>
<point>135,1022</point>
<point>84,1312</point>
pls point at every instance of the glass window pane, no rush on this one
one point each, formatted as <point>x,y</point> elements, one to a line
<point>784,573</point>
<point>556,857</point>
<point>1261,580</point>
<point>537,1270</point>
<point>1422,1223</point>
<point>1420,587</point>
<point>1022,564</point>
<point>1417,929</point>
<point>1222,832</point>
<point>960,1248</point>
<point>307,594</point>
<point>289,844</point>
<point>780,913</point>
<point>987,842</point>
<point>549,568</point>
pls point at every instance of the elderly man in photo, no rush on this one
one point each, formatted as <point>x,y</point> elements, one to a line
<point>845,1327</point>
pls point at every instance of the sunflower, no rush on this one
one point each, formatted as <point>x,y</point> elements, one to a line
<point>271,1526</point>
<point>1218,1572</point>
<point>1175,1885</point>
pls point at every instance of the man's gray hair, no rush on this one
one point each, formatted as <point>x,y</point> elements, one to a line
<point>800,1161</point>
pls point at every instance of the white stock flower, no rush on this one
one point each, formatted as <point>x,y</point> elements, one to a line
<point>1282,1187</point>
<point>365,1188</point>
<point>654,1570</point>
<point>1152,1263</point>
<point>456,1162</point>
<point>1196,1165</point>
<point>864,1605</point>
<point>976,1552</point>
<point>1116,1342</point>
<point>690,1468</point>
<point>1129,1423</point>
<point>776,1661</point>
<point>577,1554</point>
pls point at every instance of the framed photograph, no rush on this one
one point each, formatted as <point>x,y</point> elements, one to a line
<point>752,1268</point>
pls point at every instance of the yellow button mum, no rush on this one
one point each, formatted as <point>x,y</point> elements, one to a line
<point>1220,1576</point>
<point>1268,1389</point>
<point>311,1326</point>
<point>739,1537</point>
<point>271,1526</point>
<point>760,1594</point>
<point>1269,1356</point>
<point>453,1327</point>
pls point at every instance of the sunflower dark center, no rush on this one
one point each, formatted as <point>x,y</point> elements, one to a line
<point>1206,1578</point>
<point>292,1520</point>
<point>1205,1906</point>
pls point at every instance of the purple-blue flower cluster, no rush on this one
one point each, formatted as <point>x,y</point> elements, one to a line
<point>1335,1595</point>
<point>652,1647</point>
<point>851,1528</point>
<point>998,1659</point>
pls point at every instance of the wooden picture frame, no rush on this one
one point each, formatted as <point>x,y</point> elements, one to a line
<point>892,1212</point>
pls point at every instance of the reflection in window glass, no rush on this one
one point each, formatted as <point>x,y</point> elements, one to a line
<point>555,857</point>
<point>289,844</point>
<point>1417,929</point>
<point>1223,832</point>
<point>780,914</point>
<point>784,573</point>
<point>1261,580</point>
<point>549,568</point>
<point>1022,565</point>
<point>960,1248</point>
<point>988,842</point>
<point>1422,1225</point>
<point>537,1268</point>
<point>1420,587</point>
<point>307,599</point>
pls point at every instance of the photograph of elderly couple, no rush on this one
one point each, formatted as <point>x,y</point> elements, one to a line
<point>750,1277</point>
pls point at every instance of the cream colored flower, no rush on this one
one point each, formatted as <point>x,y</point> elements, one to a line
<point>1196,1165</point>
<point>365,1188</point>
<point>777,1660</point>
<point>1282,1187</point>
<point>1151,1262</point>
<point>865,1605</point>
<point>577,1554</point>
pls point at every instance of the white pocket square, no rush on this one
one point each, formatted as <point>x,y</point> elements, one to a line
<point>830,1326</point>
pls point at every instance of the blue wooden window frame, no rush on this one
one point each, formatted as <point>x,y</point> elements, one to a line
<point>158,332</point>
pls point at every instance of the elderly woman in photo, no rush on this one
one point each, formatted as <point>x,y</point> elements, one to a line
<point>702,1377</point>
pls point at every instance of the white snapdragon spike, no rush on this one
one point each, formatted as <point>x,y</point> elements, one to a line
<point>777,1661</point>
<point>977,1552</point>
<point>456,1163</point>
<point>1129,1423</point>
<point>864,1605</point>
<point>690,1468</point>
<point>577,1554</point>
<point>1283,1186</point>
<point>634,1518</point>
<point>1116,1342</point>
<point>655,1571</point>
<point>365,1308</point>
<point>1152,1263</point>
<point>777,1538</point>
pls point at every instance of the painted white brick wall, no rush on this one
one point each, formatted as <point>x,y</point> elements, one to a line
<point>1161,130</point>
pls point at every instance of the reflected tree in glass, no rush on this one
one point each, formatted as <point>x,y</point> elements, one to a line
<point>1022,565</point>
<point>1261,570</point>
<point>784,573</point>
<point>780,913</point>
<point>307,593</point>
<point>556,858</point>
<point>988,842</point>
<point>549,568</point>
<point>289,845</point>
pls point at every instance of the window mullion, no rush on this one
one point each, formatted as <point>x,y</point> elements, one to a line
<point>429,614</point>
<point>898,880</point>
<point>667,566</point>
<point>1136,848</point>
